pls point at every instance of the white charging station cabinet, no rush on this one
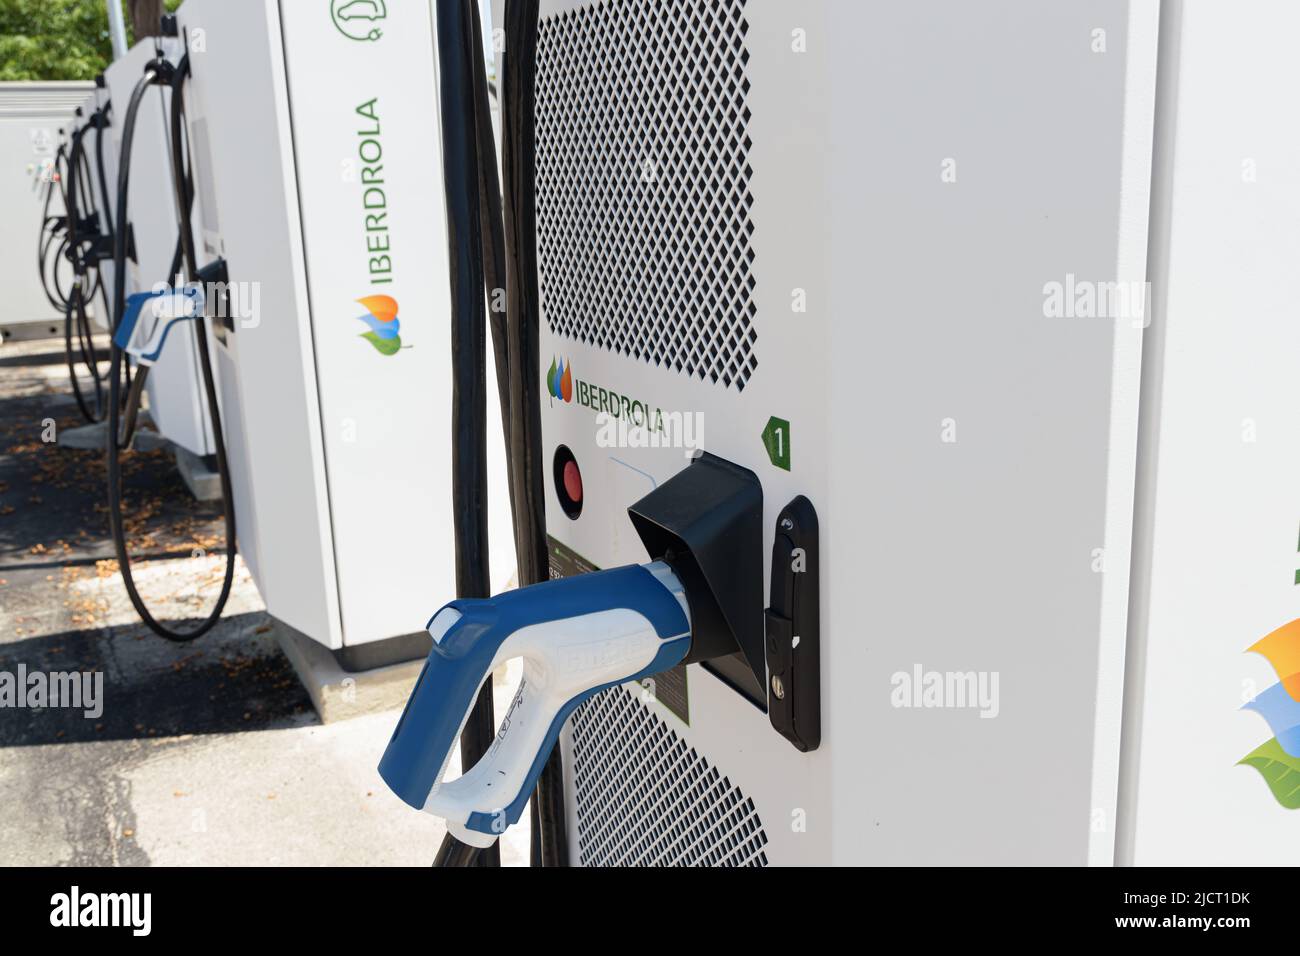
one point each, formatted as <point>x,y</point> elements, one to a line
<point>1216,565</point>
<point>31,117</point>
<point>833,232</point>
<point>319,174</point>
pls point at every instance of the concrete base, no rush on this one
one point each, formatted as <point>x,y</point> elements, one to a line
<point>204,483</point>
<point>32,331</point>
<point>338,694</point>
<point>94,437</point>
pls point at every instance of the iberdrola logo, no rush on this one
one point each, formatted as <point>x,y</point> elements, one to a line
<point>559,381</point>
<point>381,316</point>
<point>1278,760</point>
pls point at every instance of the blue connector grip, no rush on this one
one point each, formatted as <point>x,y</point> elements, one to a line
<point>577,636</point>
<point>182,305</point>
<point>135,304</point>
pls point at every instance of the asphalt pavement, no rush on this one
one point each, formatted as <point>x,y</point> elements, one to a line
<point>202,753</point>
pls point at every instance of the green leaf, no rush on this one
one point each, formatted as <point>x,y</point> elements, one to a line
<point>550,379</point>
<point>386,346</point>
<point>1280,771</point>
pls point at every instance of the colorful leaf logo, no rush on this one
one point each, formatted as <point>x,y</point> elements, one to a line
<point>1278,760</point>
<point>559,381</point>
<point>381,316</point>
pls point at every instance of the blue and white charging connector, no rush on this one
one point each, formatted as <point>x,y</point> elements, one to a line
<point>167,307</point>
<point>577,636</point>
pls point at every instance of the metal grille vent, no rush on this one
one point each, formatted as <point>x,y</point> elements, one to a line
<point>646,798</point>
<point>643,182</point>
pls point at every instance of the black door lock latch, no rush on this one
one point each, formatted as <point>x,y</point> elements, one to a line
<point>793,628</point>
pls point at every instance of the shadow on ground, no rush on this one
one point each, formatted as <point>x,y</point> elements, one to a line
<point>234,680</point>
<point>61,602</point>
<point>53,500</point>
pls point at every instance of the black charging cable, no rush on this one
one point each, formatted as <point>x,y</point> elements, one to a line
<point>54,229</point>
<point>82,234</point>
<point>162,73</point>
<point>493,246</point>
<point>550,845</point>
<point>469,378</point>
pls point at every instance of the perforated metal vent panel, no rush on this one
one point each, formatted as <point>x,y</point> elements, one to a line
<point>646,798</point>
<point>643,182</point>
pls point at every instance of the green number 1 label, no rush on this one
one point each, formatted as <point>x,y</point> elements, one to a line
<point>776,439</point>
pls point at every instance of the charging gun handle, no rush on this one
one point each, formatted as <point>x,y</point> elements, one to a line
<point>182,305</point>
<point>577,636</point>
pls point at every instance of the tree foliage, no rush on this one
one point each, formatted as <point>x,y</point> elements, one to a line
<point>56,39</point>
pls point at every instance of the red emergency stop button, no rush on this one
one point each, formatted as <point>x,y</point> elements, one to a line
<point>573,481</point>
<point>568,481</point>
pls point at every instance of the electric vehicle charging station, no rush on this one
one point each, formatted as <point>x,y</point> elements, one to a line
<point>862,340</point>
<point>897,403</point>
<point>1216,561</point>
<point>33,118</point>
<point>333,348</point>
<point>55,270</point>
<point>74,242</point>
<point>954,456</point>
<point>176,401</point>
